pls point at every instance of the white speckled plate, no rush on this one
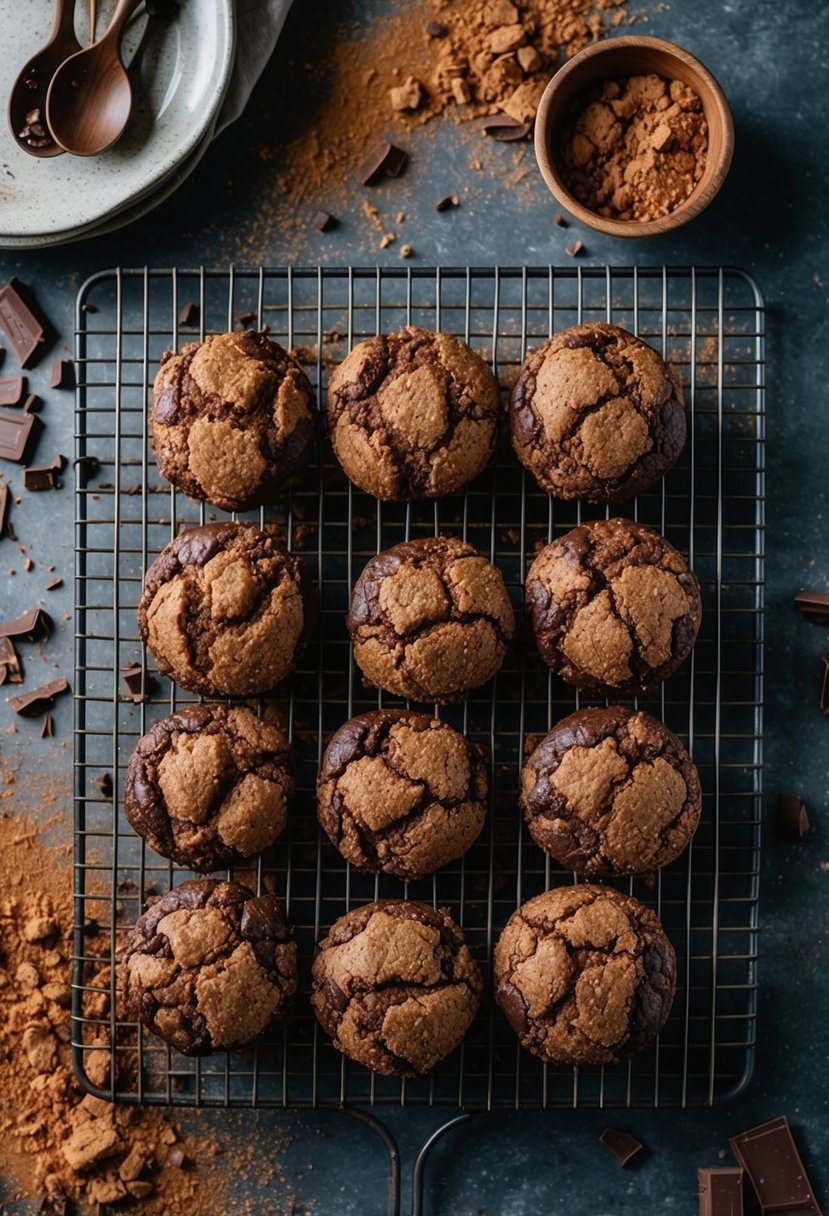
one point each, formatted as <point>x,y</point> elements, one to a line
<point>179,81</point>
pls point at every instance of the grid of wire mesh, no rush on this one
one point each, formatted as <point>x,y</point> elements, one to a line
<point>709,323</point>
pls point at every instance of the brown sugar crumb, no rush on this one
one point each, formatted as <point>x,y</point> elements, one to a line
<point>635,149</point>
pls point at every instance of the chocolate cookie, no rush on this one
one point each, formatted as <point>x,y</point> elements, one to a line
<point>613,606</point>
<point>232,419</point>
<point>225,610</point>
<point>584,975</point>
<point>610,791</point>
<point>395,986</point>
<point>595,413</point>
<point>208,785</point>
<point>430,619</point>
<point>401,792</point>
<point>209,966</point>
<point>412,414</point>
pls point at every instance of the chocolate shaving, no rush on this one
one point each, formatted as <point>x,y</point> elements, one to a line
<point>47,727</point>
<point>386,160</point>
<point>136,683</point>
<point>4,509</point>
<point>190,314</point>
<point>103,784</point>
<point>20,325</point>
<point>10,668</point>
<point>824,688</point>
<point>54,584</point>
<point>504,128</point>
<point>814,606</point>
<point>12,389</point>
<point>561,221</point>
<point>769,1156</point>
<point>63,374</point>
<point>720,1191</point>
<point>792,818</point>
<point>44,477</point>
<point>39,699</point>
<point>32,624</point>
<point>89,307</point>
<point>323,221</point>
<point>621,1144</point>
<point>448,200</point>
<point>32,404</point>
<point>574,250</point>
<point>16,432</point>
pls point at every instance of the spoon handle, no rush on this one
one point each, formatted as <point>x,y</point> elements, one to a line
<point>123,11</point>
<point>64,22</point>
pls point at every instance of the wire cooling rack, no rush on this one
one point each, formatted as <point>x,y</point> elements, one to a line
<point>709,322</point>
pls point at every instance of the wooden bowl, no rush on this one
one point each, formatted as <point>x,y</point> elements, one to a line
<point>615,59</point>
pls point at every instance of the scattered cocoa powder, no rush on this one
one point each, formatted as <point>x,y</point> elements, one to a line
<point>635,149</point>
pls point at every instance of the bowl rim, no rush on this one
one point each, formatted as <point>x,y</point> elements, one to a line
<point>704,193</point>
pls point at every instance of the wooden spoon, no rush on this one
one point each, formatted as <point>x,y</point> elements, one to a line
<point>90,97</point>
<point>30,89</point>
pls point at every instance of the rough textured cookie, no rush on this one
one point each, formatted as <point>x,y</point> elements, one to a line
<point>208,785</point>
<point>613,606</point>
<point>209,966</point>
<point>610,791</point>
<point>412,414</point>
<point>225,610</point>
<point>595,413</point>
<point>430,619</point>
<point>401,792</point>
<point>584,975</point>
<point>232,419</point>
<point>395,986</point>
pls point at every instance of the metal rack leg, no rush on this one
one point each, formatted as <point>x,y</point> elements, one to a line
<point>420,1161</point>
<point>393,1152</point>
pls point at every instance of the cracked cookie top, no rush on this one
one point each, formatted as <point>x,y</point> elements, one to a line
<point>401,792</point>
<point>613,606</point>
<point>232,419</point>
<point>395,986</point>
<point>584,975</point>
<point>208,785</point>
<point>225,610</point>
<point>597,414</point>
<point>611,791</point>
<point>412,415</point>
<point>209,966</point>
<point>430,619</point>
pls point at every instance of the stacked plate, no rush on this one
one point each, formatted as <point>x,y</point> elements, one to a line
<point>180,67</point>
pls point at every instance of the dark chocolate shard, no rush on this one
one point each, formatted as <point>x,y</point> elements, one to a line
<point>89,308</point>
<point>386,160</point>
<point>103,784</point>
<point>16,431</point>
<point>504,128</point>
<point>448,200</point>
<point>63,374</point>
<point>189,314</point>
<point>136,683</point>
<point>561,221</point>
<point>814,605</point>
<point>324,221</point>
<point>44,477</point>
<point>5,502</point>
<point>32,404</point>
<point>824,688</point>
<point>792,817</point>
<point>720,1191</point>
<point>10,668</point>
<point>769,1156</point>
<point>33,624</point>
<point>54,584</point>
<point>23,329</point>
<point>574,250</point>
<point>47,727</point>
<point>12,389</point>
<point>39,699</point>
<point>621,1144</point>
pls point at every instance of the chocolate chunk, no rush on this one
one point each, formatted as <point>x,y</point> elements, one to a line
<point>135,683</point>
<point>561,221</point>
<point>28,564</point>
<point>12,389</point>
<point>39,699</point>
<point>89,308</point>
<point>814,605</point>
<point>20,325</point>
<point>176,1158</point>
<point>15,434</point>
<point>189,314</point>
<point>622,1145</point>
<point>720,1191</point>
<point>55,583</point>
<point>103,784</point>
<point>33,624</point>
<point>91,927</point>
<point>5,498</point>
<point>10,668</point>
<point>436,30</point>
<point>769,1156</point>
<point>63,374</point>
<point>32,404</point>
<point>448,200</point>
<point>386,160</point>
<point>574,250</point>
<point>792,818</point>
<point>47,727</point>
<point>504,128</point>
<point>245,319</point>
<point>44,477</point>
<point>323,221</point>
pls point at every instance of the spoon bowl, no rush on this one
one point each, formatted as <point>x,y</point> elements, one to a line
<point>27,101</point>
<point>90,96</point>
